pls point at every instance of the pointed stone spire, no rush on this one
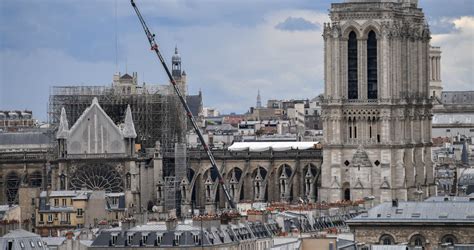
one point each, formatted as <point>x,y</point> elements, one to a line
<point>259,100</point>
<point>95,101</point>
<point>129,128</point>
<point>63,129</point>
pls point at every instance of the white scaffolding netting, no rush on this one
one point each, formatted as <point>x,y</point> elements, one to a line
<point>275,146</point>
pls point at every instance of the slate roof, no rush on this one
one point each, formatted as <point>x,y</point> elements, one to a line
<point>126,77</point>
<point>457,97</point>
<point>22,239</point>
<point>221,235</point>
<point>21,138</point>
<point>419,212</point>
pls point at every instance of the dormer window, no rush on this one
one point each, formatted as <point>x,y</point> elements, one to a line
<point>159,238</point>
<point>177,237</point>
<point>114,239</point>
<point>196,239</point>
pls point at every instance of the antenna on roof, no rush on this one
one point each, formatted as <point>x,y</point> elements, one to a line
<point>116,38</point>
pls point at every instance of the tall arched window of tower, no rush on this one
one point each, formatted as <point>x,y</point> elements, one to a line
<point>372,65</point>
<point>352,85</point>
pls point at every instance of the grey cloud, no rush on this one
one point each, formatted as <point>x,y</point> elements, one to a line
<point>296,24</point>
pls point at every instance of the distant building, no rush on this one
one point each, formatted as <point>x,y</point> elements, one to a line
<point>16,120</point>
<point>67,210</point>
<point>10,218</point>
<point>430,224</point>
<point>191,235</point>
<point>21,239</point>
<point>453,117</point>
<point>436,85</point>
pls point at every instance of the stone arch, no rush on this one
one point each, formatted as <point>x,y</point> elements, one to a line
<point>190,174</point>
<point>449,238</point>
<point>349,27</point>
<point>197,190</point>
<point>416,239</point>
<point>35,179</point>
<point>12,183</point>
<point>370,26</point>
<point>387,239</point>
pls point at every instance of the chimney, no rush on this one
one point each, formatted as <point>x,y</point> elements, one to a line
<point>395,203</point>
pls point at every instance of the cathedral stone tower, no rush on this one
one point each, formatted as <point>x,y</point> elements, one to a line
<point>377,106</point>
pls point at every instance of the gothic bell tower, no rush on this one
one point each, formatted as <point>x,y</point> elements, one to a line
<point>377,108</point>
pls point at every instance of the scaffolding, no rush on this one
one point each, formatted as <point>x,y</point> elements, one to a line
<point>153,109</point>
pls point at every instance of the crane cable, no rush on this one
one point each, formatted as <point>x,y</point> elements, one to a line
<point>154,47</point>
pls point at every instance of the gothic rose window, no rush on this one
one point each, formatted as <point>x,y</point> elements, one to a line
<point>97,177</point>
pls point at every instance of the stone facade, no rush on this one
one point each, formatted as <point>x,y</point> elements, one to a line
<point>431,235</point>
<point>96,154</point>
<point>436,223</point>
<point>377,102</point>
<point>436,86</point>
<point>253,177</point>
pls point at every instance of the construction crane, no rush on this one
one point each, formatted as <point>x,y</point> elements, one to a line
<point>154,47</point>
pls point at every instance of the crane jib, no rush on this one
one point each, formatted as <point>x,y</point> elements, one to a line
<point>154,47</point>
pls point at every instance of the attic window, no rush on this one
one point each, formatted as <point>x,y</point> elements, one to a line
<point>415,215</point>
<point>176,239</point>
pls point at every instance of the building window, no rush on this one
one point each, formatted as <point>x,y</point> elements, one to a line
<point>372,65</point>
<point>50,217</point>
<point>176,239</point>
<point>355,132</point>
<point>352,85</point>
<point>114,239</point>
<point>159,238</point>
<point>129,239</point>
<point>33,201</point>
<point>387,240</point>
<point>417,241</point>
<point>449,240</point>
<point>448,130</point>
<point>64,201</point>
<point>56,202</point>
<point>41,217</point>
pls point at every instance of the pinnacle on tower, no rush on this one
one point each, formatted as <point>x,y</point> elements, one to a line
<point>129,128</point>
<point>63,128</point>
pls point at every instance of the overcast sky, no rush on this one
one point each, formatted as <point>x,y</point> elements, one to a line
<point>229,49</point>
